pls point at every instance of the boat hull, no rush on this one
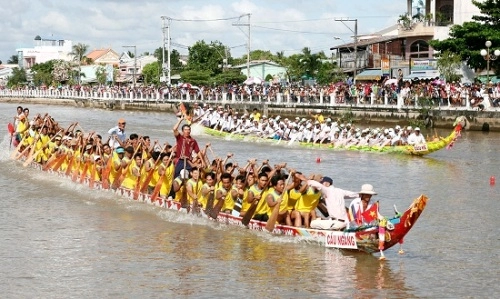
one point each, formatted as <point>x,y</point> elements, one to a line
<point>415,150</point>
<point>366,239</point>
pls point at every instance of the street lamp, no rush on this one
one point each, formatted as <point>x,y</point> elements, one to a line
<point>135,62</point>
<point>489,57</point>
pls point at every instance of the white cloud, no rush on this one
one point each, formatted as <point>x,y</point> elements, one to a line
<point>104,23</point>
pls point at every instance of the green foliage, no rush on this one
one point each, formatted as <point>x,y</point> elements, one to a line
<point>447,64</point>
<point>151,73</point>
<point>100,75</point>
<point>13,60</point>
<point>328,73</point>
<point>17,78</point>
<point>468,39</point>
<point>199,77</point>
<point>228,77</point>
<point>43,73</point>
<point>206,57</point>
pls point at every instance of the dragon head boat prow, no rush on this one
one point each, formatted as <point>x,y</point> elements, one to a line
<point>461,123</point>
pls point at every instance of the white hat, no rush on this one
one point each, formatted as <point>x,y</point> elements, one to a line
<point>367,189</point>
<point>417,129</point>
<point>97,158</point>
<point>409,128</point>
<point>398,127</point>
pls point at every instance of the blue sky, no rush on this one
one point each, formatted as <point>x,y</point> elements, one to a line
<point>285,25</point>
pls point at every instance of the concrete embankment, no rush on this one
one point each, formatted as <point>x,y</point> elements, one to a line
<point>488,120</point>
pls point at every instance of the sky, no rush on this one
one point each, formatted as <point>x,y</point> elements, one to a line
<point>284,25</point>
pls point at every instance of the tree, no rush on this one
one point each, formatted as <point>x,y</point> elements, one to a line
<point>196,77</point>
<point>62,71</point>
<point>468,39</point>
<point>229,77</point>
<point>175,60</point>
<point>130,54</point>
<point>14,59</point>
<point>17,78</point>
<point>207,57</point>
<point>447,64</point>
<point>43,73</point>
<point>151,73</point>
<point>100,75</point>
<point>310,63</point>
<point>78,53</point>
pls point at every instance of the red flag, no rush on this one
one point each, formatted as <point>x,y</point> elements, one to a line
<point>371,213</point>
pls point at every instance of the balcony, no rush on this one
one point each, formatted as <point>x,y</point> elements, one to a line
<point>416,29</point>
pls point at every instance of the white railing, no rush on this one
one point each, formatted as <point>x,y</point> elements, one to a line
<point>287,100</point>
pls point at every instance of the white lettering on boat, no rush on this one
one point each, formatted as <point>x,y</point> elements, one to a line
<point>420,147</point>
<point>341,240</point>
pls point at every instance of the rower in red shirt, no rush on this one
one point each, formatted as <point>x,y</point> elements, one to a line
<point>186,145</point>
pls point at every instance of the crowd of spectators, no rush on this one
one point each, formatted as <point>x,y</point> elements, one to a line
<point>435,92</point>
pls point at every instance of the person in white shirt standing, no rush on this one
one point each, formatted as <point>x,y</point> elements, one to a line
<point>416,137</point>
<point>335,203</point>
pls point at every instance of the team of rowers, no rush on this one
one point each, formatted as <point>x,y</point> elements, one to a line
<point>313,130</point>
<point>185,174</point>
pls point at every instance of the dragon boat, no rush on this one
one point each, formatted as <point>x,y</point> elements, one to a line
<point>365,238</point>
<point>418,150</point>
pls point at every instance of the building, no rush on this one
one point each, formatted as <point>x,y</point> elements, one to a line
<point>104,56</point>
<point>263,68</point>
<point>45,49</point>
<point>127,65</point>
<point>405,45</point>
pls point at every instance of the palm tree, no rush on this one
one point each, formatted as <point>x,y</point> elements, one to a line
<point>78,54</point>
<point>310,62</point>
<point>13,59</point>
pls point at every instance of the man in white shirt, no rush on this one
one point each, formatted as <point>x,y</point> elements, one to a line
<point>416,137</point>
<point>118,135</point>
<point>335,203</point>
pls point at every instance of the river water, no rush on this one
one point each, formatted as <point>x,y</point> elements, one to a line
<point>61,240</point>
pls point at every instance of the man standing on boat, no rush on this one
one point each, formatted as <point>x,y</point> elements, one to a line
<point>335,203</point>
<point>118,136</point>
<point>185,146</point>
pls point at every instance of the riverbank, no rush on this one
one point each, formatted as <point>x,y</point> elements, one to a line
<point>367,115</point>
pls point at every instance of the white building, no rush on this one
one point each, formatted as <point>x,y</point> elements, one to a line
<point>45,49</point>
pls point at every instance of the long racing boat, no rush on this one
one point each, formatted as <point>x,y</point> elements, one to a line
<point>418,150</point>
<point>368,238</point>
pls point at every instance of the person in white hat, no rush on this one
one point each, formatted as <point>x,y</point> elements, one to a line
<point>416,137</point>
<point>359,205</point>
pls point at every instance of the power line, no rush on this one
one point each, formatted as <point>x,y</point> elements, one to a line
<point>204,20</point>
<point>322,19</point>
<point>294,31</point>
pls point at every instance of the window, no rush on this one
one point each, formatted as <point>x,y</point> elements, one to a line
<point>419,49</point>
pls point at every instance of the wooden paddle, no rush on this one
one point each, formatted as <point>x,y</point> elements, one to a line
<point>143,188</point>
<point>157,188</point>
<point>210,202</point>
<point>253,207</point>
<point>271,222</point>
<point>30,158</point>
<point>106,171</point>
<point>184,201</point>
<point>118,180</point>
<point>216,209</point>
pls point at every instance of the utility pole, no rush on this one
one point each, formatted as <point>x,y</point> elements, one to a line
<point>135,62</point>
<point>355,31</point>
<point>249,41</point>
<point>166,73</point>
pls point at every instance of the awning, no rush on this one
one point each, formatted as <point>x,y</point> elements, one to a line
<point>493,79</point>
<point>369,75</point>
